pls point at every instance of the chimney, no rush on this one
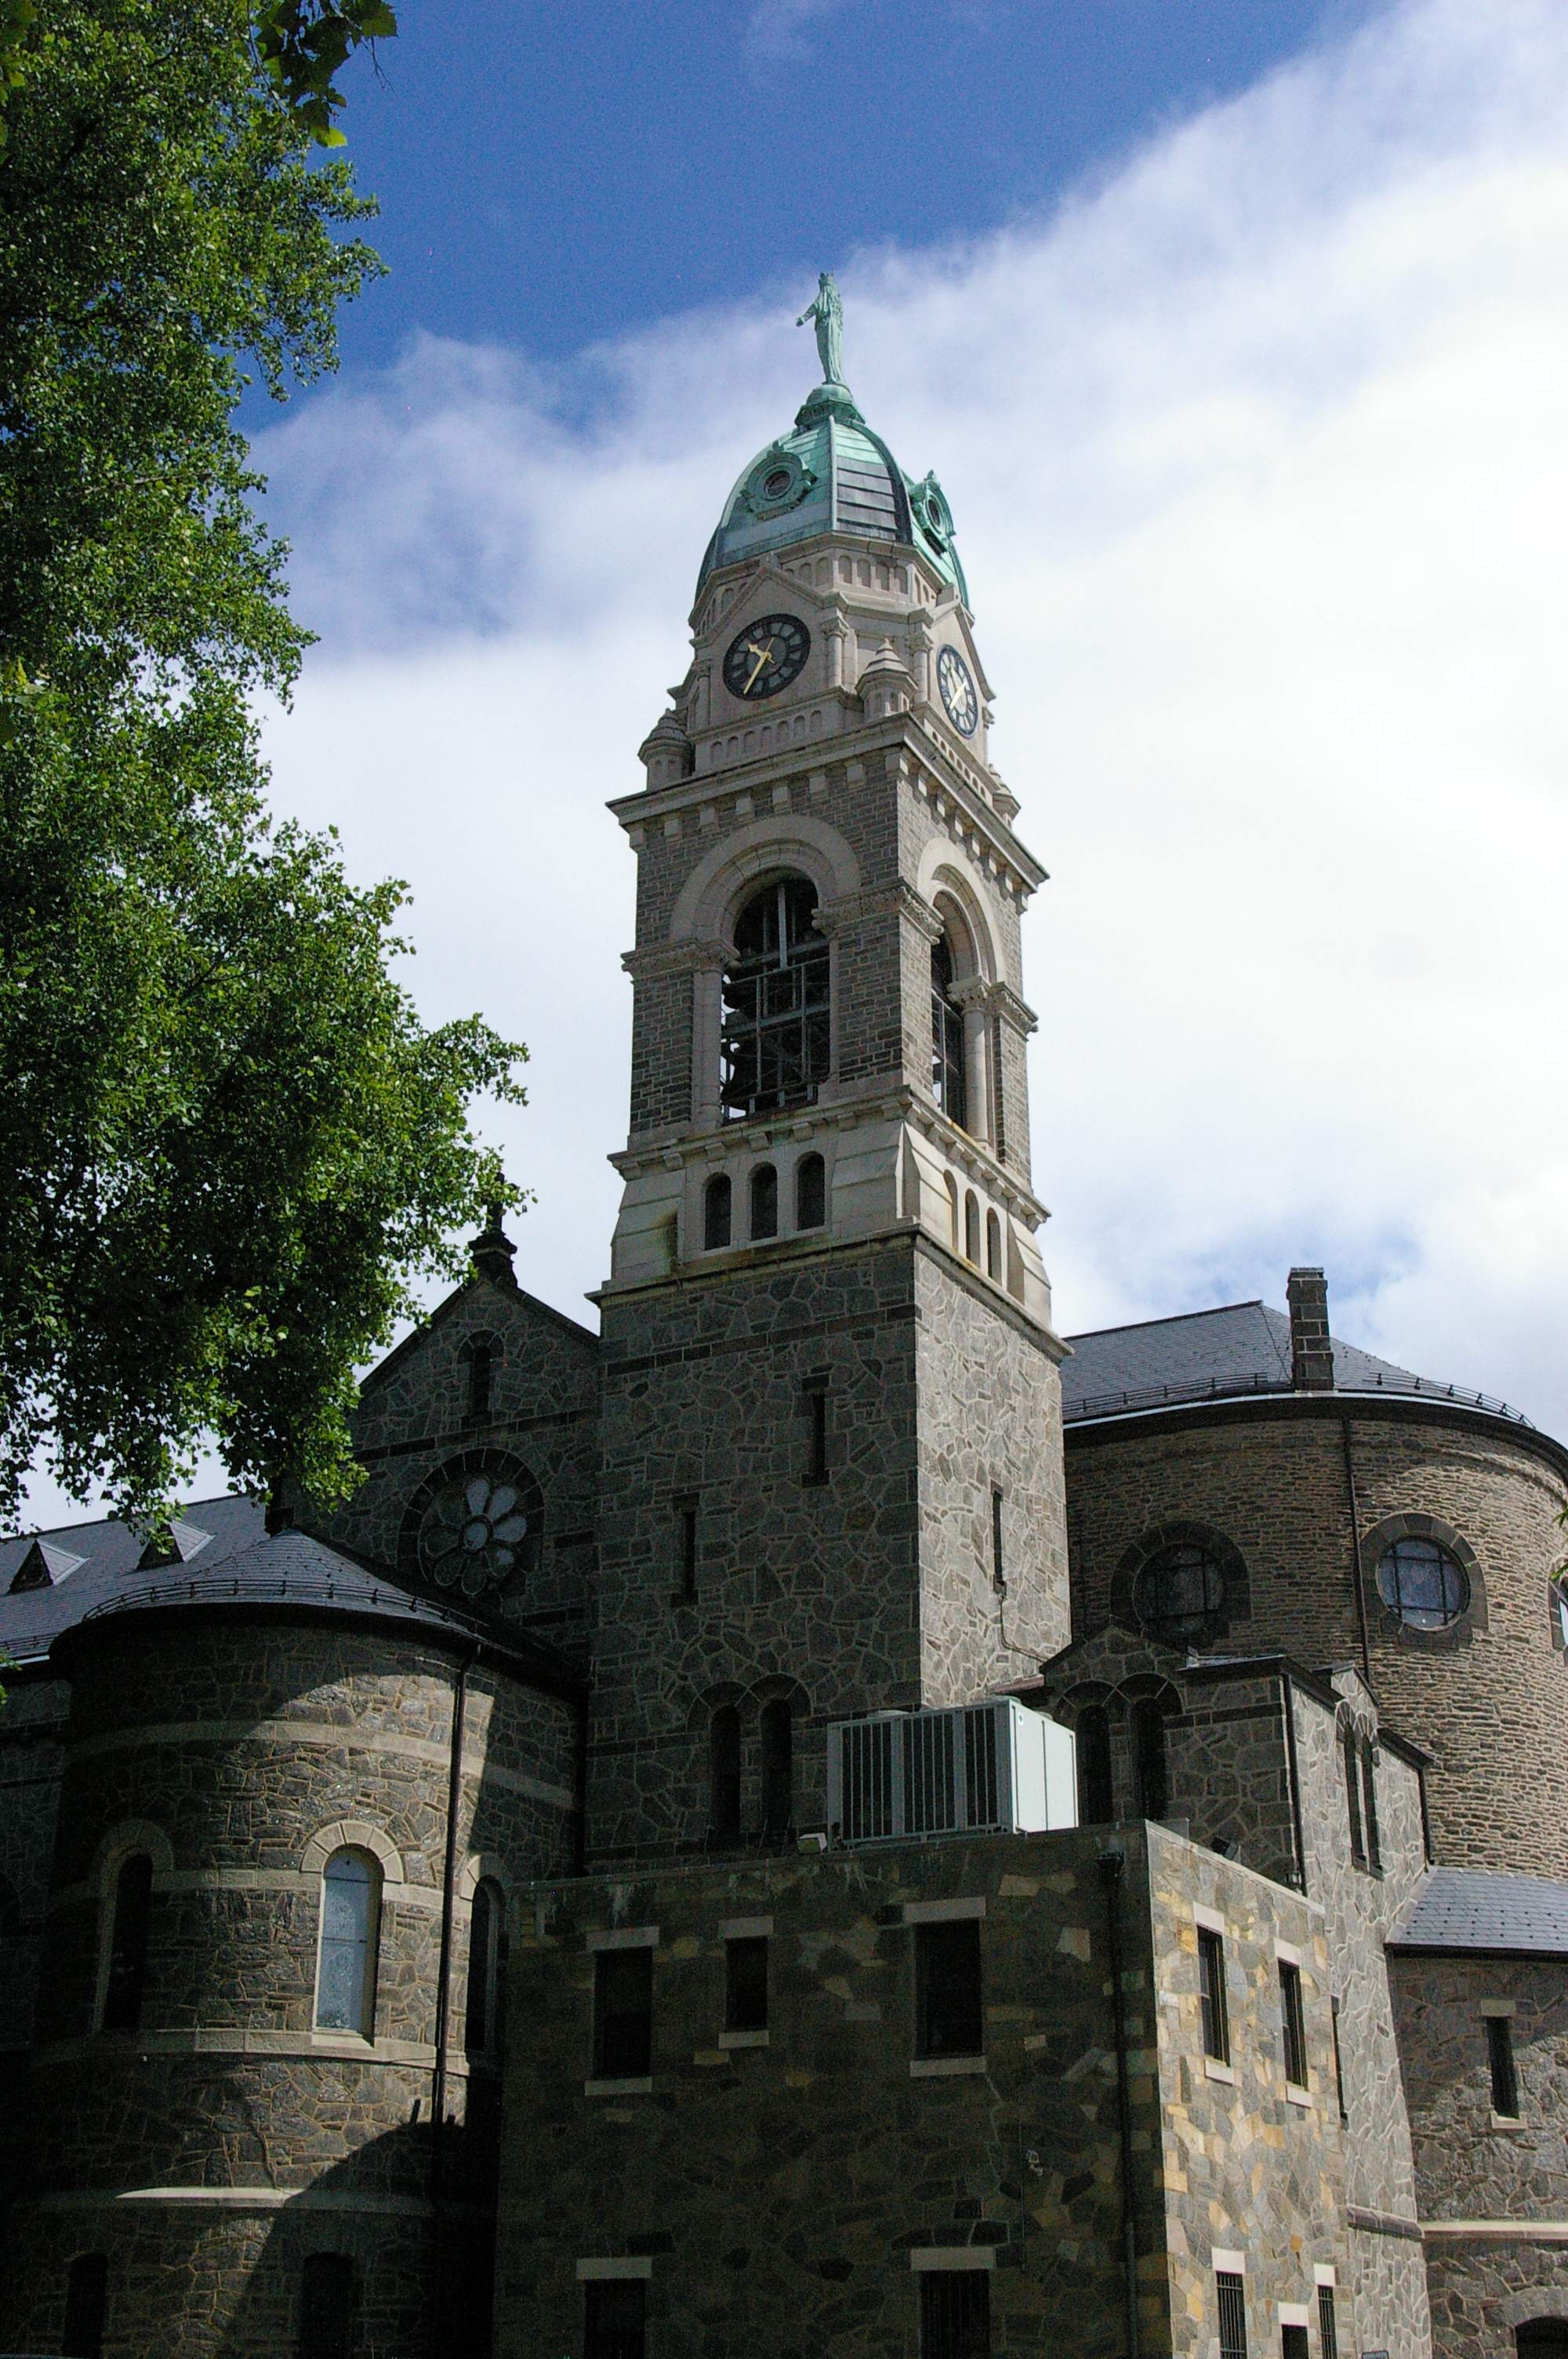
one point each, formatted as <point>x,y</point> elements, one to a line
<point>1311,1353</point>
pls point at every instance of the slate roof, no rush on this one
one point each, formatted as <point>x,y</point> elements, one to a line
<point>1242,1347</point>
<point>1460,1909</point>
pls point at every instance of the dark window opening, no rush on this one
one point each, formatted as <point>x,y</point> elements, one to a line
<point>716,1214</point>
<point>1149,1759</point>
<point>1500,2055</point>
<point>1328,2326</point>
<point>1096,1800</point>
<point>817,1444</point>
<point>947,1041</point>
<point>724,1759</point>
<point>1179,1592</point>
<point>480,1363</point>
<point>776,1033</point>
<point>10,1909</point>
<point>999,1571</point>
<point>778,1768</point>
<point>765,1204</point>
<point>1211,1988</point>
<point>128,1945</point>
<point>993,1247</point>
<point>1292,2024</point>
<point>1542,2338</point>
<point>327,2307</point>
<point>686,1512</point>
<point>1294,2343</point>
<point>955,2314</point>
<point>746,1985</point>
<point>1338,2062</point>
<point>972,1228</point>
<point>623,2015</point>
<point>949,2016</point>
<point>1423,1584</point>
<point>616,2324</point>
<point>1370,1808</point>
<point>487,1958</point>
<point>810,1192</point>
<point>86,2294</point>
<point>1231,2292</point>
<point>1353,1800</point>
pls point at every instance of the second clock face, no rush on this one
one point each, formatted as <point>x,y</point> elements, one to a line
<point>766,657</point>
<point>957,682</point>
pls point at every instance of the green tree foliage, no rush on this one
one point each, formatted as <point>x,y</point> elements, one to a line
<point>228,1147</point>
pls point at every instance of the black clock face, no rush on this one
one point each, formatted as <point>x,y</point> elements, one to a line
<point>957,682</point>
<point>766,657</point>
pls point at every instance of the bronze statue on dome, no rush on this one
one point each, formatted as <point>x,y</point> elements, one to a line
<point>827,311</point>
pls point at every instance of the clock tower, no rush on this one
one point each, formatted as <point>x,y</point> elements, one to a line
<point>831,1480</point>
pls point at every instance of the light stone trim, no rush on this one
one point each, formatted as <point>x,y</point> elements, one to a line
<point>256,1879</point>
<point>943,2067</point>
<point>1214,2070</point>
<point>642,2088</point>
<point>1296,2096</point>
<point>1287,1954</point>
<point>123,1842</point>
<point>354,1834</point>
<point>1500,2006</point>
<point>953,2257</point>
<point>632,2265</point>
<point>707,901</point>
<point>1495,2232</point>
<point>1323,2276</point>
<point>253,2199</point>
<point>742,2040</point>
<point>746,1929</point>
<point>1291,2313</point>
<point>324,1732</point>
<point>1231,2265</point>
<point>1210,1919</point>
<point>321,2048</point>
<point>624,1937</point>
<point>944,1912</point>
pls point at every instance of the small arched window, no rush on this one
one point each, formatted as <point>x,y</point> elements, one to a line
<point>993,1247</point>
<point>327,2303</point>
<point>128,1944</point>
<point>724,1770</point>
<point>776,1037</point>
<point>765,1204</point>
<point>778,1768</point>
<point>810,1192</point>
<point>716,1212</point>
<point>350,1926</point>
<point>1149,1758</point>
<point>1423,1584</point>
<point>947,1040</point>
<point>1096,1803</point>
<point>86,2293</point>
<point>487,1958</point>
<point>953,1207</point>
<point>480,1356</point>
<point>972,1228</point>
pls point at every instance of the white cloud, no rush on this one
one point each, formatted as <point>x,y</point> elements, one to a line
<point>1258,456</point>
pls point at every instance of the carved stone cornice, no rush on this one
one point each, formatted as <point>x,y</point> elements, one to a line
<point>896,900</point>
<point>660,960</point>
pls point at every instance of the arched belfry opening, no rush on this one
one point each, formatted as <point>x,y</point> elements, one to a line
<point>776,1031</point>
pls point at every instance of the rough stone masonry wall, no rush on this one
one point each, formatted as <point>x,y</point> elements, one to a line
<point>989,1419</point>
<point>32,1759</point>
<point>802,1588</point>
<point>223,1747</point>
<point>412,1421</point>
<point>1469,2167</point>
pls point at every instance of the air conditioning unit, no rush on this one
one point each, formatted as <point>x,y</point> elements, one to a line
<point>995,1765</point>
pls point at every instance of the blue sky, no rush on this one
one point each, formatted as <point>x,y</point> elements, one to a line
<point>553,174</point>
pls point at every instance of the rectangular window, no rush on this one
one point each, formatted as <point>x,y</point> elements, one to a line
<point>327,2307</point>
<point>1293,2023</point>
<point>998,1573</point>
<point>1338,2062</point>
<point>1232,2296</point>
<point>1353,1800</point>
<point>616,2326</point>
<point>686,1511</point>
<point>746,1986</point>
<point>623,2015</point>
<point>816,1437</point>
<point>950,2019</point>
<point>1370,1808</point>
<point>1327,2332</point>
<point>1211,1985</point>
<point>955,2314</point>
<point>1294,2343</point>
<point>1501,2055</point>
<point>86,2293</point>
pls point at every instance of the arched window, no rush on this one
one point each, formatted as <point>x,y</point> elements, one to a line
<point>810,1192</point>
<point>993,1247</point>
<point>776,1039</point>
<point>724,1768</point>
<point>764,1202</point>
<point>1179,1592</point>
<point>972,1228</point>
<point>1149,1758</point>
<point>128,1944</point>
<point>1423,1584</point>
<point>947,1040</point>
<point>953,1206</point>
<point>778,1768</point>
<point>1541,2338</point>
<point>86,2290</point>
<point>350,1926</point>
<point>1096,1804</point>
<point>487,1959</point>
<point>716,1212</point>
<point>327,2303</point>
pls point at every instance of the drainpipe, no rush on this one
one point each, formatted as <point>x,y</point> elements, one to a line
<point>448,1900</point>
<point>1292,1771</point>
<point>1355,1547</point>
<point>1112,1863</point>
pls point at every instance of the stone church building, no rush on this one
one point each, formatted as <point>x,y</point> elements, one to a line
<point>813,1814</point>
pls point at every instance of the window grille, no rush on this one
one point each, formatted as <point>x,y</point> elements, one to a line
<point>1211,1986</point>
<point>955,2314</point>
<point>950,2019</point>
<point>345,1968</point>
<point>1423,1584</point>
<point>866,1756</point>
<point>616,2325</point>
<point>622,2014</point>
<point>1292,2024</point>
<point>327,2307</point>
<point>128,1945</point>
<point>1327,2330</point>
<point>776,1027</point>
<point>948,1082</point>
<point>1231,2292</point>
<point>810,1192</point>
<point>1179,1592</point>
<point>1500,2055</point>
<point>746,1985</point>
<point>86,2295</point>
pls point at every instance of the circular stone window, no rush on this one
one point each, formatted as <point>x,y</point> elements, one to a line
<point>1180,1591</point>
<point>776,484</point>
<point>1421,1582</point>
<point>476,1533</point>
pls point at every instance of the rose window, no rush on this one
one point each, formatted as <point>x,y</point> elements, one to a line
<point>475,1535</point>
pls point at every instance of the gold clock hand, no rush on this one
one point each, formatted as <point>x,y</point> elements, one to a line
<point>763,655</point>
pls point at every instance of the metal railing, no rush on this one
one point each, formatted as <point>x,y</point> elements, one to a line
<point>298,1589</point>
<point>1127,1403</point>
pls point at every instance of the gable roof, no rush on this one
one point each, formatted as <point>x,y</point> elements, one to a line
<point>1500,1916</point>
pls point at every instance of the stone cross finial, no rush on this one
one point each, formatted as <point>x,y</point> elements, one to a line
<point>492,1251</point>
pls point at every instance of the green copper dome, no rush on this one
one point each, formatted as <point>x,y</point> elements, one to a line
<point>832,474</point>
